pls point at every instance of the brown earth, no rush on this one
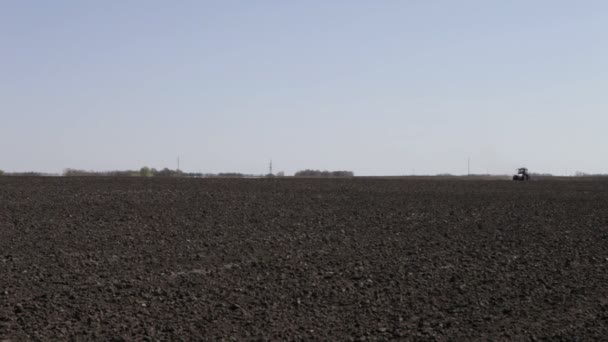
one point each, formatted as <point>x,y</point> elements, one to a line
<point>302,259</point>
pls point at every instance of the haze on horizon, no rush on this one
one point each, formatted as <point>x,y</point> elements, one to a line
<point>376,87</point>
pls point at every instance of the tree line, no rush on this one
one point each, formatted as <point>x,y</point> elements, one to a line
<point>143,172</point>
<point>166,172</point>
<point>151,172</point>
<point>327,174</point>
<point>27,174</point>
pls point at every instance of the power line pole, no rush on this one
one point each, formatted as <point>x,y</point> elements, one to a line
<point>270,168</point>
<point>177,163</point>
<point>469,166</point>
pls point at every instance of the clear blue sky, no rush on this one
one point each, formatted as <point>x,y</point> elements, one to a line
<point>377,87</point>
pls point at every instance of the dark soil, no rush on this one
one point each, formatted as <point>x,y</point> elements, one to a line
<point>302,259</point>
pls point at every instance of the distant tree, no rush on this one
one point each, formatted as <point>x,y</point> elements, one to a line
<point>164,173</point>
<point>145,172</point>
<point>1,172</point>
<point>280,174</point>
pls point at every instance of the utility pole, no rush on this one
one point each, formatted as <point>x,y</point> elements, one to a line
<point>270,168</point>
<point>469,166</point>
<point>177,163</point>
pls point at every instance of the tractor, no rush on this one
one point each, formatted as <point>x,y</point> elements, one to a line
<point>522,175</point>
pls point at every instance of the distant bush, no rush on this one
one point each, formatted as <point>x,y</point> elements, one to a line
<point>328,174</point>
<point>1,172</point>
<point>145,172</point>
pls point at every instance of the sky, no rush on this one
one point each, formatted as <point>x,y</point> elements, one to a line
<point>377,87</point>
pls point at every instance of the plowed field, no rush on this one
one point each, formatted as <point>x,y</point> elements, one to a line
<point>302,259</point>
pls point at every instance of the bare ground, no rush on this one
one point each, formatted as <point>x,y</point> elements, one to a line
<point>302,259</point>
